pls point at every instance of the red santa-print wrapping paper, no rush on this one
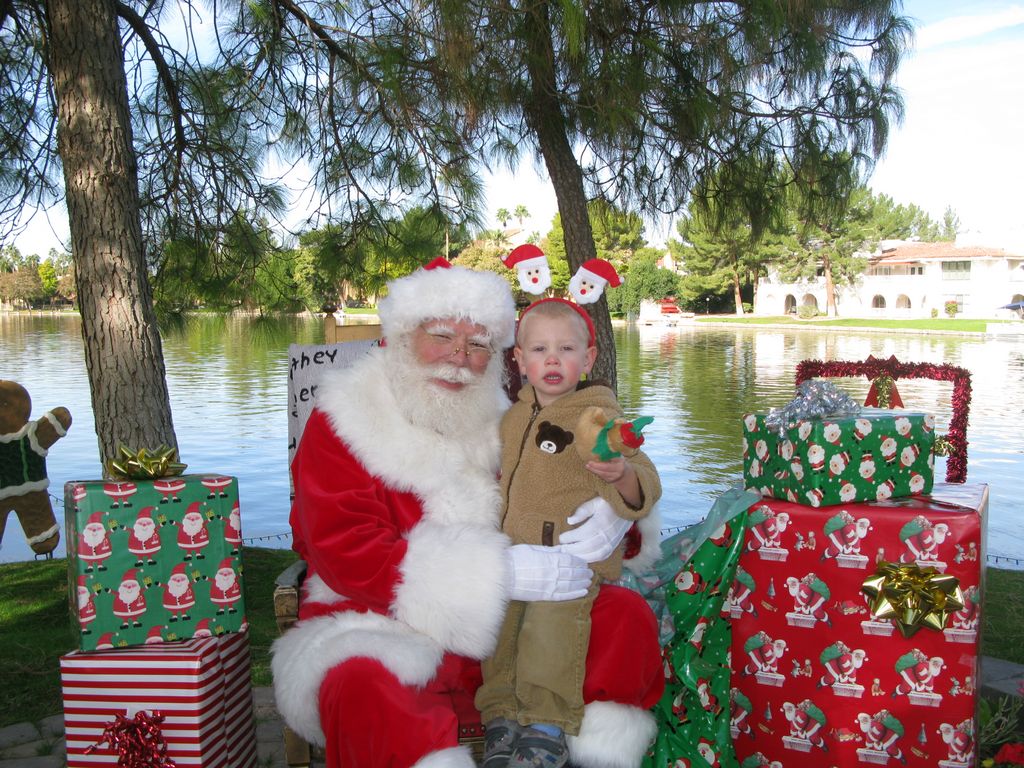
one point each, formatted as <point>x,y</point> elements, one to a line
<point>201,687</point>
<point>154,560</point>
<point>815,678</point>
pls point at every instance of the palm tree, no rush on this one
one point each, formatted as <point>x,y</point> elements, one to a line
<point>521,213</point>
<point>503,216</point>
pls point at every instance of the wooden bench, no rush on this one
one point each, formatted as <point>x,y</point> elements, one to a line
<point>288,585</point>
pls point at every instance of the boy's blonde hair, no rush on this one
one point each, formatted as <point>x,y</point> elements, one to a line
<point>555,308</point>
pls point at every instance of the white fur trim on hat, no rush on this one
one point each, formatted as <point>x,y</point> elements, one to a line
<point>304,655</point>
<point>456,292</point>
<point>612,736</point>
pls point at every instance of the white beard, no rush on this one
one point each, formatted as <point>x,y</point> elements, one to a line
<point>451,413</point>
<point>224,580</point>
<point>144,530</point>
<point>93,534</point>
<point>129,591</point>
<point>177,585</point>
<point>192,524</point>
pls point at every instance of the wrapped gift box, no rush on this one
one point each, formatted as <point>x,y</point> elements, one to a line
<point>154,559</point>
<point>201,688</point>
<point>870,456</point>
<point>815,677</point>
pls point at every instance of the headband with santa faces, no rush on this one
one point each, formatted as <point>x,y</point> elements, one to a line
<point>586,286</point>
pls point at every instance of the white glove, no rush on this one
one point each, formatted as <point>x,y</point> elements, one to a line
<point>546,573</point>
<point>602,531</point>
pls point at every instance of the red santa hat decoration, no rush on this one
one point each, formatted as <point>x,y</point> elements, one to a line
<point>586,286</point>
<point>590,280</point>
<point>532,265</point>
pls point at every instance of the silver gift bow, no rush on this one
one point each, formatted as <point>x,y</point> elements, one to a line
<point>814,400</point>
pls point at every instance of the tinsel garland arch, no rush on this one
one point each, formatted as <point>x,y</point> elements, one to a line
<point>875,369</point>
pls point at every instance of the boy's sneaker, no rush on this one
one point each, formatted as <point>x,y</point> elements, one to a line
<point>500,736</point>
<point>536,749</point>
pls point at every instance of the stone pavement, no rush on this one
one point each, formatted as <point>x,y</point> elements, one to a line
<point>41,745</point>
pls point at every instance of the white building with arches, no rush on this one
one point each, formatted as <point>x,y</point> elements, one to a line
<point>910,279</point>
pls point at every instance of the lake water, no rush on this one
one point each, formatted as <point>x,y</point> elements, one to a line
<point>227,379</point>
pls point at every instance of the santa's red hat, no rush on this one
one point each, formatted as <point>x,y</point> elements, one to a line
<point>525,257</point>
<point>106,641</point>
<point>601,272</point>
<point>179,568</point>
<point>193,507</point>
<point>225,563</point>
<point>154,636</point>
<point>129,575</point>
<point>145,512</point>
<point>81,579</point>
<point>96,517</point>
<point>441,290</point>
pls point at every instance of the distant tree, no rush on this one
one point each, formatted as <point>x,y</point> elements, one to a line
<point>503,216</point>
<point>48,279</point>
<point>643,279</point>
<point>521,212</point>
<point>950,225</point>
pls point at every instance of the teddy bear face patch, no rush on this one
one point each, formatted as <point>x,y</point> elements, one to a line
<point>552,439</point>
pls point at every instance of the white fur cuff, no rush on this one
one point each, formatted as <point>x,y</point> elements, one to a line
<point>454,586</point>
<point>612,736</point>
<point>455,757</point>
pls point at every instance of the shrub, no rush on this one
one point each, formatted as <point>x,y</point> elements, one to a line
<point>806,311</point>
<point>951,309</point>
<point>935,311</point>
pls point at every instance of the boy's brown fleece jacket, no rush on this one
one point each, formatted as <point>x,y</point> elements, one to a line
<point>543,478</point>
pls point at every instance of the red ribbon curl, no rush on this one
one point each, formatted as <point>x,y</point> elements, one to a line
<point>138,741</point>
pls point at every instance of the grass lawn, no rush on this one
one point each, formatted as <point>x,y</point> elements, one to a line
<point>924,324</point>
<point>36,629</point>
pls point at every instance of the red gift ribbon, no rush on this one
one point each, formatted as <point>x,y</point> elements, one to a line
<point>138,741</point>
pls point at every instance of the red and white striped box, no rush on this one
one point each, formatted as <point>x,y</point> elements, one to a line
<point>200,686</point>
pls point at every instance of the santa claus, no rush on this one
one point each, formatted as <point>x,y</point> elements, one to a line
<point>130,600</point>
<point>143,539</point>
<point>192,533</point>
<point>226,591</point>
<point>233,529</point>
<point>86,606</point>
<point>94,544</point>
<point>396,513</point>
<point>178,594</point>
<point>590,280</point>
<point>532,267</point>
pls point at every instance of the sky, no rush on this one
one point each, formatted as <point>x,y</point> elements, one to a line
<point>959,144</point>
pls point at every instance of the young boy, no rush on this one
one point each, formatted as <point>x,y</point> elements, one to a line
<point>532,694</point>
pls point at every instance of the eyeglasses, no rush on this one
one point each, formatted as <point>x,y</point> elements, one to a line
<point>448,344</point>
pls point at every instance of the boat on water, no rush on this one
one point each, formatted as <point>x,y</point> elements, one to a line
<point>663,313</point>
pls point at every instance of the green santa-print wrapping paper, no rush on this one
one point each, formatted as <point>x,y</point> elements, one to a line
<point>693,576</point>
<point>872,455</point>
<point>154,560</point>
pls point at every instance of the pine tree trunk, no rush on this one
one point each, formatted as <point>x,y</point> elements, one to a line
<point>736,292</point>
<point>544,116</point>
<point>123,353</point>
<point>830,287</point>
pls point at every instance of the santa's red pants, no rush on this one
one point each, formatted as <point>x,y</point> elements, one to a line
<point>371,719</point>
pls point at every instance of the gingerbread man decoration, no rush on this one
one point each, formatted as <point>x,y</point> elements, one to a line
<point>23,480</point>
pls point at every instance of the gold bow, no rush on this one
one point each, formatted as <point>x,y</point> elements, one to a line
<point>912,597</point>
<point>145,464</point>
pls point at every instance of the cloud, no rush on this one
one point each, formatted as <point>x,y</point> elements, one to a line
<point>958,28</point>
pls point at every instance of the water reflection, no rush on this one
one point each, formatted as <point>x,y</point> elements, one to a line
<point>227,379</point>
